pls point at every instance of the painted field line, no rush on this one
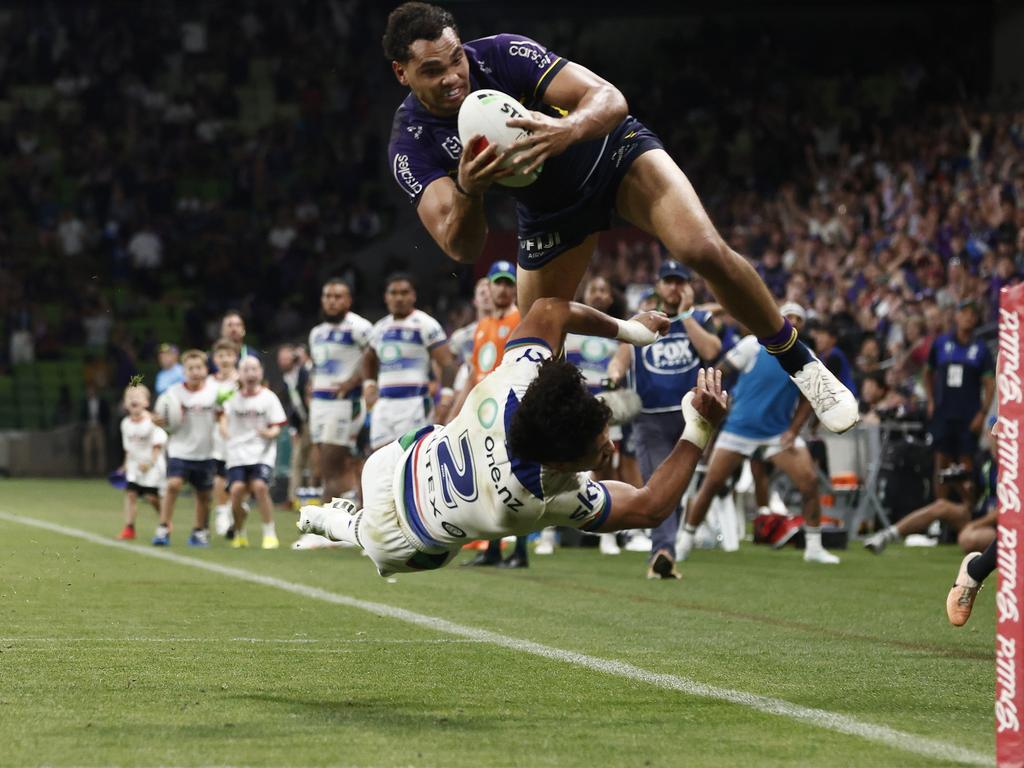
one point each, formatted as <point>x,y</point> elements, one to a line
<point>820,718</point>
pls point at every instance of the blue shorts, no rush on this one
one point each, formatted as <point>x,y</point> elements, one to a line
<point>198,474</point>
<point>142,490</point>
<point>220,468</point>
<point>953,437</point>
<point>249,472</point>
<point>545,235</point>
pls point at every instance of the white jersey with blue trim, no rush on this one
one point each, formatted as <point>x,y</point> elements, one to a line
<point>337,349</point>
<point>403,347</point>
<point>458,482</point>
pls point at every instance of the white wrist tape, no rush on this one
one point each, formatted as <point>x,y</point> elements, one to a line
<point>698,430</point>
<point>635,332</point>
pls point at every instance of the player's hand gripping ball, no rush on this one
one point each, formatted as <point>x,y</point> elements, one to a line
<point>484,114</point>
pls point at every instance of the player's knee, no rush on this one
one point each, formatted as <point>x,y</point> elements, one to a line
<point>702,251</point>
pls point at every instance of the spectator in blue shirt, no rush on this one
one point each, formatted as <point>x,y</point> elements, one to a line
<point>960,382</point>
<point>170,372</point>
<point>825,338</point>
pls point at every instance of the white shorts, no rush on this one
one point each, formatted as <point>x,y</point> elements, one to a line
<point>393,417</point>
<point>380,531</point>
<point>335,422</point>
<point>748,446</point>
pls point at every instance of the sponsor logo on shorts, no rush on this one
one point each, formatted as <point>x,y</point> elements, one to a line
<point>528,49</point>
<point>620,154</point>
<point>404,176</point>
<point>453,147</point>
<point>534,247</point>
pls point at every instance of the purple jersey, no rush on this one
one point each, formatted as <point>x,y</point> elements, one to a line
<point>424,147</point>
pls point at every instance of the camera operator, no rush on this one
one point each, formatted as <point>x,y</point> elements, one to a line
<point>973,533</point>
<point>960,382</point>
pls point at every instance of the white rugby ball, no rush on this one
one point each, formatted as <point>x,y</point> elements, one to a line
<point>169,409</point>
<point>483,113</point>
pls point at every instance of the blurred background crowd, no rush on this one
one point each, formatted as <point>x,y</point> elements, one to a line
<point>164,162</point>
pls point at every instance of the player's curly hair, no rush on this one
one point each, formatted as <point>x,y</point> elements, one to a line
<point>558,419</point>
<point>410,22</point>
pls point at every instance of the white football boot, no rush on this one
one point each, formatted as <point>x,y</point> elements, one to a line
<point>834,404</point>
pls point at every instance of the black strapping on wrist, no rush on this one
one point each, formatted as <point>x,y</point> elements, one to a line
<point>461,189</point>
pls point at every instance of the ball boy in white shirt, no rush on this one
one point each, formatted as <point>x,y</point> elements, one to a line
<point>144,465</point>
<point>250,423</point>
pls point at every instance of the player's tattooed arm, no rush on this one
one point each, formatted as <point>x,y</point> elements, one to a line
<point>594,108</point>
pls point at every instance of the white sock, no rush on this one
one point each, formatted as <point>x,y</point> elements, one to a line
<point>686,538</point>
<point>341,526</point>
<point>547,535</point>
<point>269,530</point>
<point>223,509</point>
<point>812,537</point>
<point>891,533</point>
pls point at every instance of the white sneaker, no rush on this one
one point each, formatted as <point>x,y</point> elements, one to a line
<point>684,545</point>
<point>876,542</point>
<point>609,546</point>
<point>834,404</point>
<point>223,520</point>
<point>639,542</point>
<point>312,519</point>
<point>546,543</point>
<point>820,556</point>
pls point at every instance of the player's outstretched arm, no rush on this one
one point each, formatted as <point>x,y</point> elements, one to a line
<point>550,319</point>
<point>704,409</point>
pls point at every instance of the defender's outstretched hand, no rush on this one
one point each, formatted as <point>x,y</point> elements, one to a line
<point>643,329</point>
<point>704,407</point>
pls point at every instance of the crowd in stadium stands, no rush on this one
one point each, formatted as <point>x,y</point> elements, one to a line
<point>191,159</point>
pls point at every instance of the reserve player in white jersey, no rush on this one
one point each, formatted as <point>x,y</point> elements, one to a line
<point>190,450</point>
<point>404,348</point>
<point>335,410</point>
<point>225,356</point>
<point>250,423</point>
<point>516,457</point>
<point>144,465</point>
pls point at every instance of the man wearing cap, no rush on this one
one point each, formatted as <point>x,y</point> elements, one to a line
<point>170,372</point>
<point>959,382</point>
<point>764,422</point>
<point>488,349</point>
<point>663,373</point>
<point>825,338</point>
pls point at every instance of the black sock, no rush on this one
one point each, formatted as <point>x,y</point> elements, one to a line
<point>494,548</point>
<point>980,567</point>
<point>787,348</point>
<point>520,549</point>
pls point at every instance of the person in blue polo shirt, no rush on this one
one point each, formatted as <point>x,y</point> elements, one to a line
<point>662,374</point>
<point>825,338</point>
<point>960,383</point>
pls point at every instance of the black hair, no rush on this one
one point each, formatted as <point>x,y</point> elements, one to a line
<point>410,22</point>
<point>558,419</point>
<point>397,277</point>
<point>337,281</point>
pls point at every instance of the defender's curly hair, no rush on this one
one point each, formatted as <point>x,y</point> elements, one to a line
<point>558,418</point>
<point>410,22</point>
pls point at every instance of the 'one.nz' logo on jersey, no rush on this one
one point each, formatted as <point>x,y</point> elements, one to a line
<point>672,354</point>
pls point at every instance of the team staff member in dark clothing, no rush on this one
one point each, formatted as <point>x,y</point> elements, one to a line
<point>960,383</point>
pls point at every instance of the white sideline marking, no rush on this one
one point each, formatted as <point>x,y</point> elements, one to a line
<point>819,718</point>
<point>214,640</point>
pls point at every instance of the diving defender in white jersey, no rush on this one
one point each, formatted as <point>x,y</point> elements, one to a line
<point>404,346</point>
<point>335,409</point>
<point>594,158</point>
<point>517,456</point>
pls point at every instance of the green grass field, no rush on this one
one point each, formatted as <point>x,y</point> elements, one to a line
<point>108,657</point>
